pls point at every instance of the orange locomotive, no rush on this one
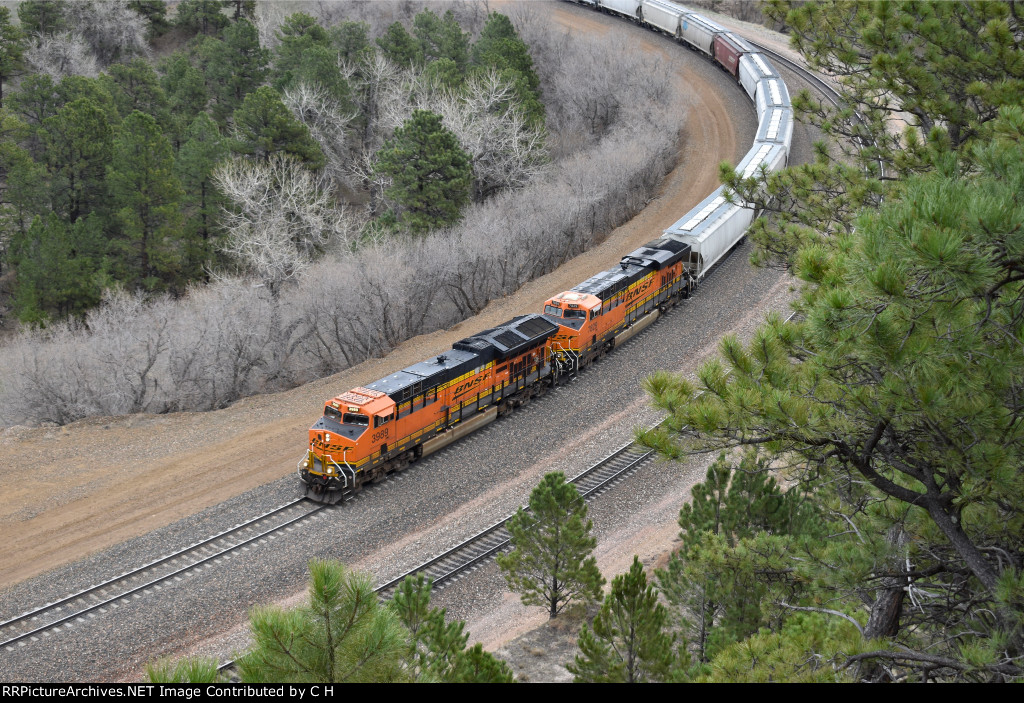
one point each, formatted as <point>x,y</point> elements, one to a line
<point>369,432</point>
<point>608,309</point>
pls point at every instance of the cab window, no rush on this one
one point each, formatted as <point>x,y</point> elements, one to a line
<point>332,413</point>
<point>353,419</point>
<point>576,314</point>
<point>552,310</point>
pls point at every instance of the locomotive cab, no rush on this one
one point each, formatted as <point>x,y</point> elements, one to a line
<point>576,316</point>
<point>354,426</point>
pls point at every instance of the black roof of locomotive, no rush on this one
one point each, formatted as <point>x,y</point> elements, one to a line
<point>658,254</point>
<point>515,336</point>
<point>653,256</point>
<point>413,380</point>
<point>512,338</point>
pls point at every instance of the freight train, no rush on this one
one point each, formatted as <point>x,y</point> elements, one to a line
<point>368,432</point>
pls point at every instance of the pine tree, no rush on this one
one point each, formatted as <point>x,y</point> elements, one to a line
<point>400,46</point>
<point>551,562</point>
<point>147,197</point>
<point>942,68</point>
<point>26,192</point>
<point>351,40</point>
<point>430,174</point>
<point>186,94</point>
<point>35,100</point>
<point>477,666</point>
<point>79,143</point>
<point>342,635</point>
<point>73,88</point>
<point>628,642</point>
<point>196,161</point>
<point>201,16</point>
<point>188,670</point>
<point>234,67</point>
<point>155,12</point>
<point>441,38</point>
<point>134,85</point>
<point>500,48</point>
<point>437,648</point>
<point>298,34</point>
<point>13,43</point>
<point>41,16</point>
<point>897,388</point>
<point>264,126</point>
<point>59,268</point>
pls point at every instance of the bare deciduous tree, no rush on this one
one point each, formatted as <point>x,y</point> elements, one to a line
<point>112,29</point>
<point>282,215</point>
<point>328,124</point>
<point>506,152</point>
<point>59,55</point>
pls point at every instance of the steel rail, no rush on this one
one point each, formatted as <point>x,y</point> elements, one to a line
<point>56,605</point>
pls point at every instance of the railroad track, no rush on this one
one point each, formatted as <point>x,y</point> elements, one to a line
<point>487,543</point>
<point>82,606</point>
<point>480,548</point>
<point>85,605</point>
<point>830,93</point>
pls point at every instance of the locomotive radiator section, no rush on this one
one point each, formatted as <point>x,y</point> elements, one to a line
<point>369,432</point>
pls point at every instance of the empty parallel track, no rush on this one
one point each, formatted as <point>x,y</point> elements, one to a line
<point>485,544</point>
<point>86,604</point>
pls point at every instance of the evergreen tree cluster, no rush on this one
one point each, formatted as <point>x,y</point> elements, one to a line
<point>108,181</point>
<point>891,401</point>
<point>344,634</point>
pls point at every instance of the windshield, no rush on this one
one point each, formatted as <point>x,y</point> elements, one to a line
<point>552,310</point>
<point>353,419</point>
<point>577,314</point>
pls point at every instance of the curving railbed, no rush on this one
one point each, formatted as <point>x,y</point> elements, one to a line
<point>368,432</point>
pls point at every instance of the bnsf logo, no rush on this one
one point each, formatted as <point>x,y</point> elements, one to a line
<point>640,289</point>
<point>468,386</point>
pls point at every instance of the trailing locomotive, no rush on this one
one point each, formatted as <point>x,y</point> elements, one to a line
<point>608,309</point>
<point>369,432</point>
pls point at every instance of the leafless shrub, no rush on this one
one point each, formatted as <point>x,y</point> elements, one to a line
<point>590,84</point>
<point>110,365</point>
<point>221,343</point>
<point>364,306</point>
